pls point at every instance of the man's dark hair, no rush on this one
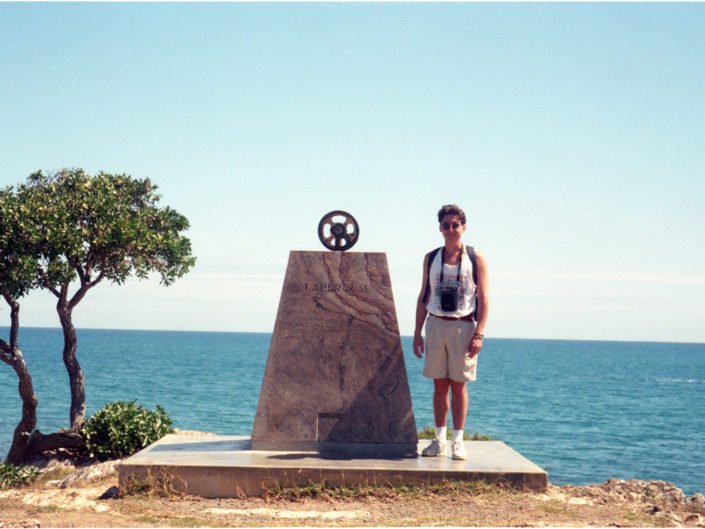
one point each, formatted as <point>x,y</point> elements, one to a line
<point>451,209</point>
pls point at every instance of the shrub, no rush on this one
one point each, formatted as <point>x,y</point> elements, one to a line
<point>12,476</point>
<point>430,433</point>
<point>122,428</point>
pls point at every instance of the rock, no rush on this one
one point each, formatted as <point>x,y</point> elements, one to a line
<point>90,473</point>
<point>694,520</point>
<point>673,517</point>
<point>111,494</point>
<point>672,495</point>
<point>191,432</point>
<point>659,493</point>
<point>52,462</point>
<point>696,503</point>
<point>54,459</point>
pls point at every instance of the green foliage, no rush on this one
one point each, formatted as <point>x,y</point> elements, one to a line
<point>70,225</point>
<point>430,433</point>
<point>122,428</point>
<point>101,227</point>
<point>12,476</point>
<point>17,267</point>
<point>477,436</point>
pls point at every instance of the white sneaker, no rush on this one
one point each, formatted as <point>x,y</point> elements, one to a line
<point>458,449</point>
<point>435,449</point>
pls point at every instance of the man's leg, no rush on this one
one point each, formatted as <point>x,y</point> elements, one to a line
<point>441,405</point>
<point>459,407</point>
<point>461,368</point>
<point>459,404</point>
<point>441,402</point>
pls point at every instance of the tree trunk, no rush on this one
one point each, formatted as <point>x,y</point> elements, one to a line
<point>40,442</point>
<point>20,440</point>
<point>10,354</point>
<point>78,391</point>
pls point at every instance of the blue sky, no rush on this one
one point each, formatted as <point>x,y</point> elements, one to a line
<point>572,134</point>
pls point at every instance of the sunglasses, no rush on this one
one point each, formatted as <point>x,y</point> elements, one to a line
<point>447,225</point>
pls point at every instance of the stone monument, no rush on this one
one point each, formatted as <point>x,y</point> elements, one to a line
<point>335,380</point>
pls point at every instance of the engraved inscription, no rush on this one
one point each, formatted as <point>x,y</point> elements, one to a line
<point>361,288</point>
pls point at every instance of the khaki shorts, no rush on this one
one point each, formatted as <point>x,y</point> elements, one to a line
<point>447,344</point>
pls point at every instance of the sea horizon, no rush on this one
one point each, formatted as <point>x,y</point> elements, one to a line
<point>117,329</point>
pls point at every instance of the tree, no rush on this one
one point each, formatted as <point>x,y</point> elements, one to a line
<point>83,229</point>
<point>17,277</point>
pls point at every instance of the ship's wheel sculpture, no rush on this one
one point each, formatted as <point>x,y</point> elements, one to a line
<point>338,231</point>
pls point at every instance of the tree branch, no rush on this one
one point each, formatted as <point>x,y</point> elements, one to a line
<point>44,280</point>
<point>39,442</point>
<point>7,350</point>
<point>83,276</point>
<point>63,294</point>
<point>81,292</point>
<point>96,280</point>
<point>14,320</point>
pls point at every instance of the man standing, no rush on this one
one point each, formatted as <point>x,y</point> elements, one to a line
<point>454,296</point>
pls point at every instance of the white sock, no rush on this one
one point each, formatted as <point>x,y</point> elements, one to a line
<point>441,432</point>
<point>458,435</point>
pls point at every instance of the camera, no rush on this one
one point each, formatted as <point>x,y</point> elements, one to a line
<point>449,299</point>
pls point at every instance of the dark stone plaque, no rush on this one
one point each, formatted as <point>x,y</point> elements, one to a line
<point>335,378</point>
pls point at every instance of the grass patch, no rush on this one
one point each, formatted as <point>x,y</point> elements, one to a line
<point>41,509</point>
<point>377,491</point>
<point>558,509</point>
<point>178,521</point>
<point>636,519</point>
<point>153,486</point>
<point>190,521</point>
<point>15,476</point>
<point>430,433</point>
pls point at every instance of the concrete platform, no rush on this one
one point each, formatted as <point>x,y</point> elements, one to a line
<point>221,466</point>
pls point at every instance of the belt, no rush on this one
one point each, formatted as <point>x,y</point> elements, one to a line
<point>453,318</point>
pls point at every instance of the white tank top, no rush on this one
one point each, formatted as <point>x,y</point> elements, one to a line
<point>465,286</point>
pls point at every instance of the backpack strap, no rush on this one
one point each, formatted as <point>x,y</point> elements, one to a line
<point>473,260</point>
<point>432,255</point>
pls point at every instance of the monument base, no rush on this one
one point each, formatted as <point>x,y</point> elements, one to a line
<point>218,466</point>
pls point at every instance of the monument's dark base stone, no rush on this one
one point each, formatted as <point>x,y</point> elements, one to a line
<point>222,466</point>
<point>335,379</point>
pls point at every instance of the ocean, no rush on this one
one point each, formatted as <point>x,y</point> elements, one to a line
<point>585,411</point>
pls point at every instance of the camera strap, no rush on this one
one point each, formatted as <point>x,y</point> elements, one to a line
<point>443,260</point>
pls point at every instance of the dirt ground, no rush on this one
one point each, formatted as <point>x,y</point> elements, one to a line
<point>74,500</point>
